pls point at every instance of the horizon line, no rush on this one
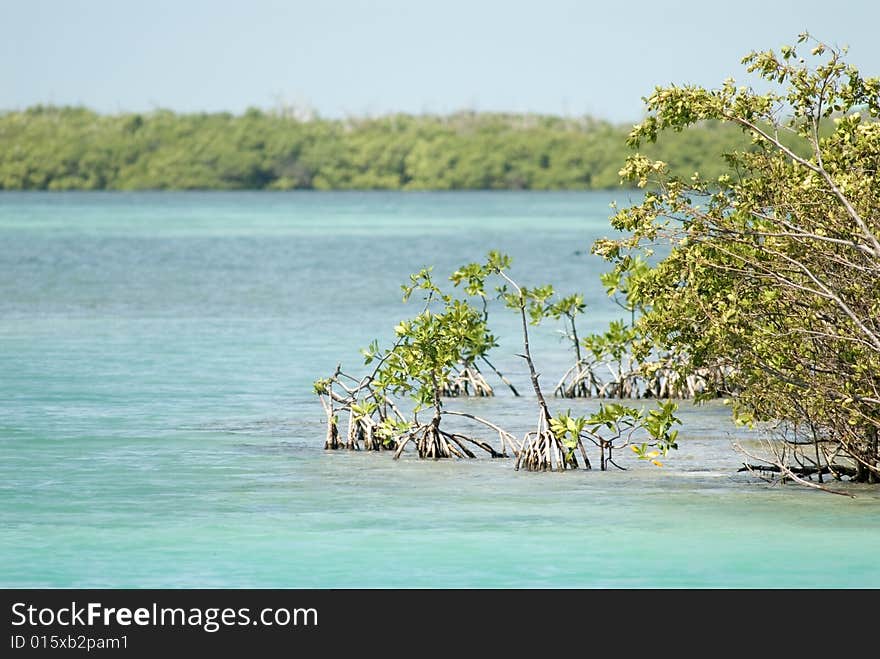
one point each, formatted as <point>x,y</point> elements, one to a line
<point>307,113</point>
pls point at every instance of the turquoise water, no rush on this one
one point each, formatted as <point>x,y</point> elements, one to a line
<point>157,427</point>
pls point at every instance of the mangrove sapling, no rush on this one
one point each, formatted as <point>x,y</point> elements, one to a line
<point>617,349</point>
<point>615,359</point>
<point>614,427</point>
<point>623,362</point>
<point>637,369</point>
<point>541,449</point>
<point>447,332</point>
<point>370,413</point>
<point>323,388</point>
<point>607,367</point>
<point>578,380</point>
<point>606,364</point>
<point>613,349</point>
<point>467,378</point>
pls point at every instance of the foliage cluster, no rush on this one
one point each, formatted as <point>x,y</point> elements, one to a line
<point>773,267</point>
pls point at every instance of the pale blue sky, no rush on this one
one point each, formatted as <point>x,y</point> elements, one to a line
<point>369,57</point>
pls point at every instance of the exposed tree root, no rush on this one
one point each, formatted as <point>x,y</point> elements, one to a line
<point>649,380</point>
<point>332,442</point>
<point>467,381</point>
<point>779,464</point>
<point>504,437</point>
<point>541,450</point>
<point>578,382</point>
<point>838,470</point>
<point>434,443</point>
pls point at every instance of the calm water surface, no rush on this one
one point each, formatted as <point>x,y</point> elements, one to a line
<point>157,427</point>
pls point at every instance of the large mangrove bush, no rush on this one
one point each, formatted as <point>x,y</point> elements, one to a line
<point>773,267</point>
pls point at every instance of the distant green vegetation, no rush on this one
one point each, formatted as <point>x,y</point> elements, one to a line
<point>74,148</point>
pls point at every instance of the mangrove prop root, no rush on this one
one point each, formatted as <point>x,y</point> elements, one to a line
<point>583,381</point>
<point>332,442</point>
<point>578,382</point>
<point>468,381</point>
<point>458,439</point>
<point>583,450</point>
<point>459,443</point>
<point>432,444</point>
<point>504,436</point>
<point>542,451</point>
<point>355,433</point>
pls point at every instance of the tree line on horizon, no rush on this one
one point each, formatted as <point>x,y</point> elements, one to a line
<point>74,148</point>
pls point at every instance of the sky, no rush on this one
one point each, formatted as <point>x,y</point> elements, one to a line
<point>370,57</point>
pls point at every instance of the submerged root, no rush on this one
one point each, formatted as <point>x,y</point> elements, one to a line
<point>355,433</point>
<point>578,389</point>
<point>327,398</point>
<point>460,439</point>
<point>361,433</point>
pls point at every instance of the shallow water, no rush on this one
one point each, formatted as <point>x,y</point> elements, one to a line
<point>157,426</point>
